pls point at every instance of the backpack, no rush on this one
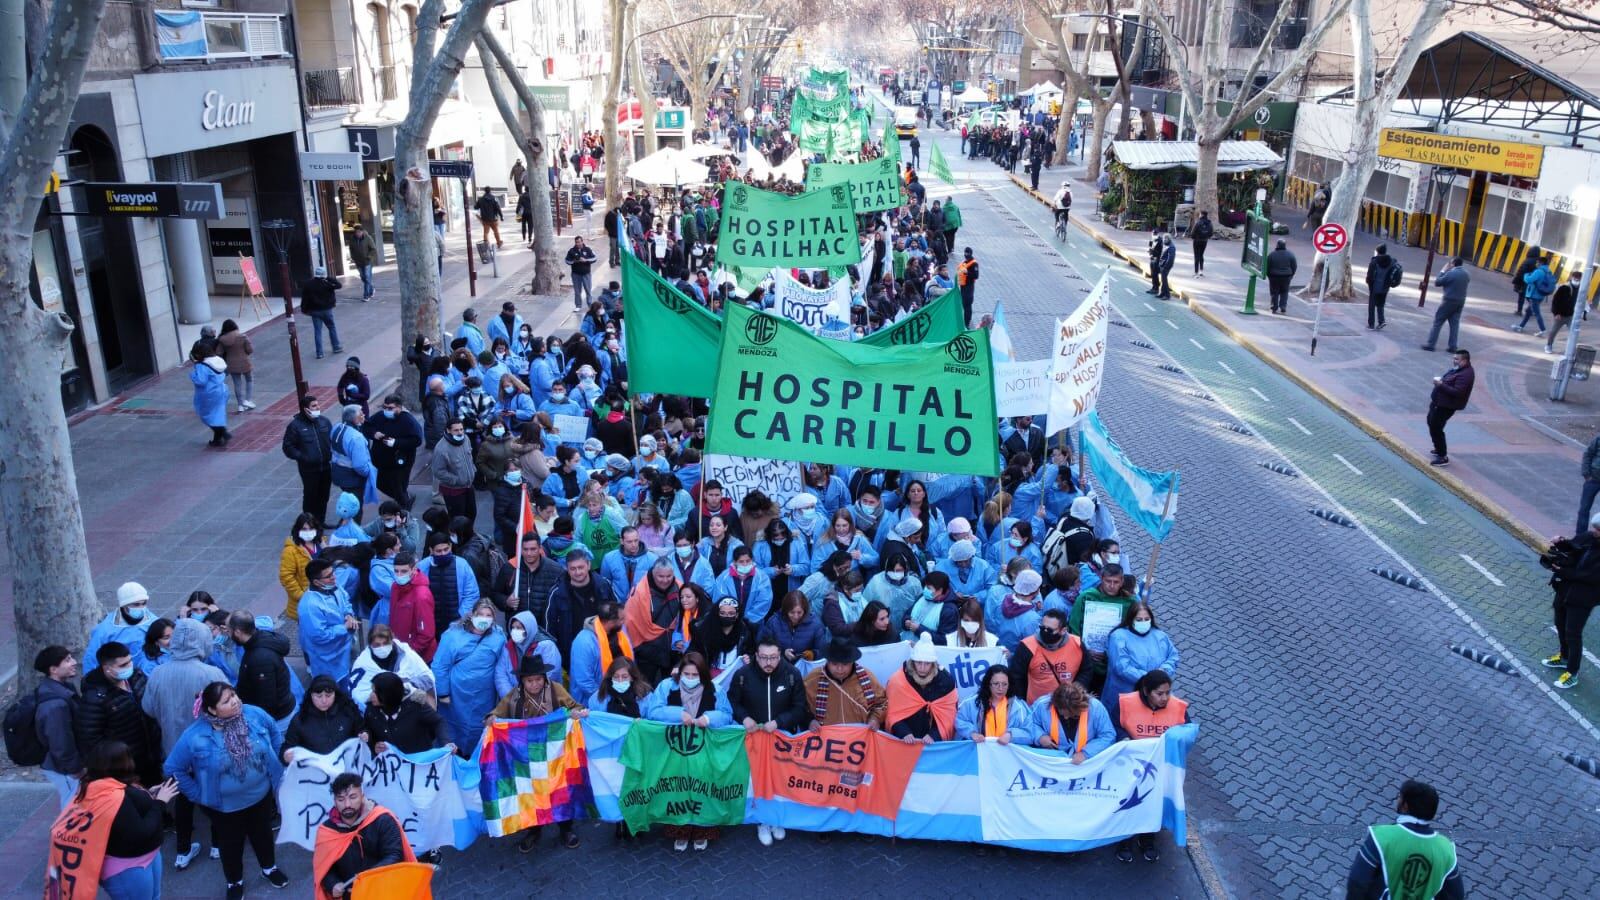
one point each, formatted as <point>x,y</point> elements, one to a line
<point>22,731</point>
<point>1395,274</point>
<point>1056,555</point>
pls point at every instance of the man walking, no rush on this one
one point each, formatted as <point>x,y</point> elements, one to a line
<point>1154,251</point>
<point>490,214</point>
<point>1563,306</point>
<point>916,152</point>
<point>1450,393</point>
<point>1453,279</point>
<point>396,437</point>
<point>1169,257</point>
<point>1201,234</point>
<point>580,258</point>
<point>1281,266</point>
<point>362,252</point>
<point>616,223</point>
<point>1540,283</point>
<point>318,297</point>
<point>1575,575</point>
<point>1035,162</point>
<point>1409,858</point>
<point>1383,273</point>
<point>967,280</point>
<point>308,440</point>
<point>952,222</point>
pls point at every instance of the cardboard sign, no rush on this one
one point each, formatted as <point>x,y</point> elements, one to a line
<point>779,479</point>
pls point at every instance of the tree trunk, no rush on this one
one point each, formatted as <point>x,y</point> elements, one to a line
<point>547,271</point>
<point>1205,174</point>
<point>641,87</point>
<point>619,22</point>
<point>14,52</point>
<point>52,587</point>
<point>1095,152</point>
<point>1064,130</point>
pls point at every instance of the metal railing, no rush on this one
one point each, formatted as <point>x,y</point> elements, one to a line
<point>332,87</point>
<point>221,35</point>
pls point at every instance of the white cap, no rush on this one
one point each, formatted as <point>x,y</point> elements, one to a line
<point>923,651</point>
<point>959,525</point>
<point>961,551</point>
<point>647,444</point>
<point>907,527</point>
<point>593,445</point>
<point>131,592</point>
<point>1028,582</point>
<point>1082,509</point>
<point>801,500</point>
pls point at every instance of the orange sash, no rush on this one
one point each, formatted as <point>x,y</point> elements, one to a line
<point>332,844</point>
<point>688,618</point>
<point>905,701</point>
<point>605,645</point>
<point>636,614</point>
<point>400,881</point>
<point>1083,728</point>
<point>78,842</point>
<point>995,721</point>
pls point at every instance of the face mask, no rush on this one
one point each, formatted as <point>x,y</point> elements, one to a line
<point>314,413</point>
<point>388,414</point>
<point>455,438</point>
<point>744,568</point>
<point>868,509</point>
<point>482,623</point>
<point>221,641</point>
<point>688,684</point>
<point>806,516</point>
<point>683,552</point>
<point>308,535</point>
<point>1113,557</point>
<point>1141,626</point>
<point>519,634</point>
<point>1017,542</point>
<point>527,334</point>
<point>122,674</point>
<point>857,597</point>
<point>501,355</point>
<point>402,579</point>
<point>1049,636</point>
<point>198,615</point>
<point>969,626</point>
<point>513,477</point>
<point>895,577</point>
<point>620,686</point>
<point>558,398</point>
<point>779,542</point>
<point>133,613</point>
<point>383,652</point>
<point>586,382</point>
<point>498,432</point>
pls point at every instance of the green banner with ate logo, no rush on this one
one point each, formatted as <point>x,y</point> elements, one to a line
<point>874,185</point>
<point>762,229</point>
<point>680,335</point>
<point>782,393</point>
<point>683,775</point>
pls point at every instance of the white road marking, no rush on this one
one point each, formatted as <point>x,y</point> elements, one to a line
<point>1226,367</point>
<point>1296,423</point>
<point>1348,466</point>
<point>1408,511</point>
<point>1173,324</point>
<point>1149,307</point>
<point>1197,343</point>
<point>1484,572</point>
<point>1259,394</point>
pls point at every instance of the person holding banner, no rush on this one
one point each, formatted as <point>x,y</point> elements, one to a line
<point>327,718</point>
<point>922,697</point>
<point>992,713</point>
<point>1073,722</point>
<point>1096,613</point>
<point>1150,709</point>
<point>1134,649</point>
<point>534,696</point>
<point>359,835</point>
<point>405,723</point>
<point>691,698</point>
<point>842,692</point>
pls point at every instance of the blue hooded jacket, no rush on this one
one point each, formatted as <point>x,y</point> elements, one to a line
<point>205,774</point>
<point>323,638</point>
<point>468,668</point>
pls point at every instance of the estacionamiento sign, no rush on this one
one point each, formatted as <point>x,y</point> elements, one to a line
<point>1454,151</point>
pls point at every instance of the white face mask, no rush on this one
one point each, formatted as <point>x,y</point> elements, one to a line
<point>519,634</point>
<point>308,535</point>
<point>969,626</point>
<point>382,652</point>
<point>482,623</point>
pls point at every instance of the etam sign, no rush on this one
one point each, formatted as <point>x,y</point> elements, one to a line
<point>220,112</point>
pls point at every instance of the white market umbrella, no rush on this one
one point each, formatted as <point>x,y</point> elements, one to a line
<point>973,95</point>
<point>703,150</point>
<point>668,166</point>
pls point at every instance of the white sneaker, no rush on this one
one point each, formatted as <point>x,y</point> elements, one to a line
<point>778,833</point>
<point>249,404</point>
<point>764,835</point>
<point>184,859</point>
<point>701,845</point>
<point>242,408</point>
<point>680,845</point>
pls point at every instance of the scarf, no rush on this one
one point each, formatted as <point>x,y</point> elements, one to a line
<point>825,688</point>
<point>532,706</point>
<point>851,608</point>
<point>906,701</point>
<point>691,700</point>
<point>623,704</point>
<point>604,640</point>
<point>235,740</point>
<point>995,721</point>
<point>926,613</point>
<point>687,618</point>
<point>1011,607</point>
<point>1055,727</point>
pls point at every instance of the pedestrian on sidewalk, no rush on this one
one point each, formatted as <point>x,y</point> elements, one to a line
<point>1538,285</point>
<point>1383,273</point>
<point>916,151</point>
<point>317,300</point>
<point>55,707</point>
<point>525,216</point>
<point>1408,858</point>
<point>1563,306</point>
<point>234,347</point>
<point>210,392</point>
<point>1575,575</point>
<point>1035,163</point>
<point>1153,249</point>
<point>354,387</point>
<point>1200,234</point>
<point>1317,208</point>
<point>1169,257</point>
<point>967,279</point>
<point>362,253</point>
<point>1450,393</point>
<point>1591,482</point>
<point>1519,285</point>
<point>489,215</point>
<point>952,221</point>
<point>1453,279</point>
<point>581,258</point>
<point>396,437</point>
<point>307,440</point>
<point>1281,266</point>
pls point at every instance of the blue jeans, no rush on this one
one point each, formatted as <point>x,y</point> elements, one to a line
<point>1586,504</point>
<point>1533,313</point>
<point>143,883</point>
<point>582,296</point>
<point>66,786</point>
<point>366,280</point>
<point>320,319</point>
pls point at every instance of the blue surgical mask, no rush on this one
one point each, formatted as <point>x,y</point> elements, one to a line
<point>558,397</point>
<point>744,568</point>
<point>199,615</point>
<point>122,674</point>
<point>134,613</point>
<point>513,477</point>
<point>1018,543</point>
<point>1141,626</point>
<point>388,414</point>
<point>683,552</point>
<point>620,686</point>
<point>688,684</point>
<point>402,579</point>
<point>927,593</point>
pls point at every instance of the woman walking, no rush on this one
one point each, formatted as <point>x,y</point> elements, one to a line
<point>210,391</point>
<point>235,349</point>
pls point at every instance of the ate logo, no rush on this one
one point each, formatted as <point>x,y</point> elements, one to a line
<point>911,331</point>
<point>761,330</point>
<point>686,740</point>
<point>840,196</point>
<point>738,195</point>
<point>1415,875</point>
<point>962,349</point>
<point>671,299</point>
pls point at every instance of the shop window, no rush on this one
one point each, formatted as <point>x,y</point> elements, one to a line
<point>1377,186</point>
<point>1398,191</point>
<point>1456,203</point>
<point>1515,219</point>
<point>1494,209</point>
<point>1563,233</point>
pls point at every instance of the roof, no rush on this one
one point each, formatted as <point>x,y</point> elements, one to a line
<point>1233,156</point>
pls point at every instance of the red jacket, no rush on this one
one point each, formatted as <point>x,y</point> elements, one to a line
<point>411,615</point>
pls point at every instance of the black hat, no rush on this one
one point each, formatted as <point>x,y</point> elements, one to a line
<point>532,665</point>
<point>843,650</point>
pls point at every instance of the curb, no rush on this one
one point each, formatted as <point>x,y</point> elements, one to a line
<point>1488,508</point>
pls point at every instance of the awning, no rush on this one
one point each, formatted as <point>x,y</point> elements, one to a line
<point>1233,156</point>
<point>1048,87</point>
<point>973,95</point>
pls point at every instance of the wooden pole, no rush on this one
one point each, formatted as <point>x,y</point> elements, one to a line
<point>1150,570</point>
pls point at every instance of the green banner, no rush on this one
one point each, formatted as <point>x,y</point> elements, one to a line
<point>764,229</point>
<point>814,136</point>
<point>782,393</point>
<point>891,142</point>
<point>938,165</point>
<point>874,185</point>
<point>683,775</point>
<point>678,329</point>
<point>934,323</point>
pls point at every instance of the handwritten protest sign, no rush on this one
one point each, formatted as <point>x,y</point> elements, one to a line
<point>777,478</point>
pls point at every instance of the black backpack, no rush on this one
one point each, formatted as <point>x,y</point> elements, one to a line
<point>22,732</point>
<point>1395,274</point>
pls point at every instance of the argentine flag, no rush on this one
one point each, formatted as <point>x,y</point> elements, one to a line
<point>1149,498</point>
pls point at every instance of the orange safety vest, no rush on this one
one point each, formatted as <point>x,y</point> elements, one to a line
<point>961,271</point>
<point>1049,669</point>
<point>1140,721</point>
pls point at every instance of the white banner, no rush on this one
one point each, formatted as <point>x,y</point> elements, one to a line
<point>420,789</point>
<point>1077,366</point>
<point>967,665</point>
<point>1029,794</point>
<point>779,479</point>
<point>1021,388</point>
<point>808,307</point>
<point>570,429</point>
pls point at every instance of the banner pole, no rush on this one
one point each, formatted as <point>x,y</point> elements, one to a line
<point>1155,554</point>
<point>633,422</point>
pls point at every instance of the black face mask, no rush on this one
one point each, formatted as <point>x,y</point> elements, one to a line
<point>1049,637</point>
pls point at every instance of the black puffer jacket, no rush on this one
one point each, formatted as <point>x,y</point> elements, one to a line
<point>309,442</point>
<point>264,678</point>
<point>323,732</point>
<point>108,713</point>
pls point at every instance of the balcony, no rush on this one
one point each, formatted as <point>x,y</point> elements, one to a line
<point>190,35</point>
<point>332,88</point>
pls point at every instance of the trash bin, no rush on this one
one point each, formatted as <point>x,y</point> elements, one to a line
<point>1582,362</point>
<point>483,252</point>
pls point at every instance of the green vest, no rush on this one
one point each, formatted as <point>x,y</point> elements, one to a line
<point>1414,865</point>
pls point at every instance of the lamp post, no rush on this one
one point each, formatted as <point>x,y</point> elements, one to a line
<point>279,233</point>
<point>1439,184</point>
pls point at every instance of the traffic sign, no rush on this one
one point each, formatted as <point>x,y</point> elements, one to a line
<point>1329,238</point>
<point>450,168</point>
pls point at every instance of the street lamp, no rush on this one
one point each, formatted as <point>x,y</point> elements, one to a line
<point>280,233</point>
<point>1438,185</point>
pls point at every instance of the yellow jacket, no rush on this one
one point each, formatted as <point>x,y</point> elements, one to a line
<point>292,575</point>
